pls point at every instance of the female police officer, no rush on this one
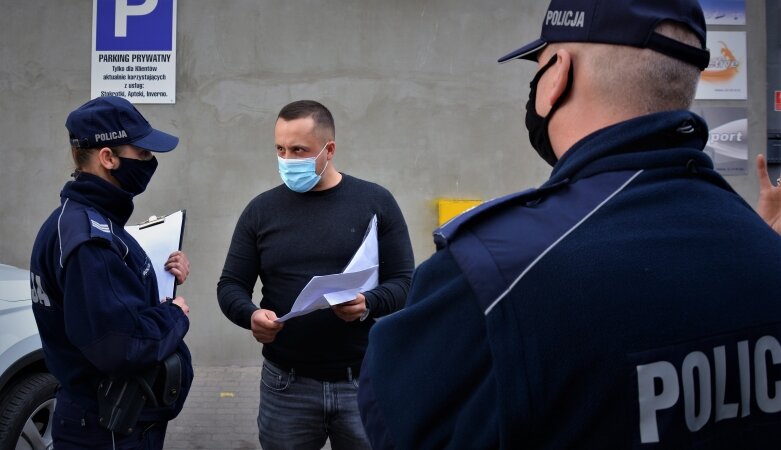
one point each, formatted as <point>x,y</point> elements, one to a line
<point>105,332</point>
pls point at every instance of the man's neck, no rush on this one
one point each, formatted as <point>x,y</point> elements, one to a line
<point>330,178</point>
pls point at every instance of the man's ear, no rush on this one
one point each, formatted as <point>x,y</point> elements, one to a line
<point>106,158</point>
<point>330,149</point>
<point>559,77</point>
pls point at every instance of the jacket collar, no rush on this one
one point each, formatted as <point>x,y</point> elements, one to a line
<point>659,139</point>
<point>109,200</point>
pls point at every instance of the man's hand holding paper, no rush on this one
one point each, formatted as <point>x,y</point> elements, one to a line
<point>346,288</point>
<point>352,310</point>
<point>264,325</point>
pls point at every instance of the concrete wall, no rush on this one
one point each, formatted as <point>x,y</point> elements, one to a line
<point>420,104</point>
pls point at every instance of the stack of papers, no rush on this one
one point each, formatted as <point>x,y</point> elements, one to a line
<point>360,275</point>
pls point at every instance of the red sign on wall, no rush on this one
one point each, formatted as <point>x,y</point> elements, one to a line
<point>778,100</point>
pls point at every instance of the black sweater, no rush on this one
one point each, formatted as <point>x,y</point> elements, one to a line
<point>286,238</point>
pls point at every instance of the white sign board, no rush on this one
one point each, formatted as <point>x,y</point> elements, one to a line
<point>134,50</point>
<point>727,138</point>
<point>725,77</point>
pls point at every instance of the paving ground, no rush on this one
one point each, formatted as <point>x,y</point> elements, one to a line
<point>220,412</point>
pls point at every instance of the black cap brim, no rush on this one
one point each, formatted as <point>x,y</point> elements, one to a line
<point>528,52</point>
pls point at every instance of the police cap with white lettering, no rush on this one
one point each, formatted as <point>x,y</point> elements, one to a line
<point>113,121</point>
<point>620,22</point>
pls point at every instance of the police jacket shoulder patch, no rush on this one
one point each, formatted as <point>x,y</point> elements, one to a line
<point>99,226</point>
<point>78,224</point>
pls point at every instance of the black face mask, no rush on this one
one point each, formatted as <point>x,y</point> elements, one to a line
<point>134,174</point>
<point>538,125</point>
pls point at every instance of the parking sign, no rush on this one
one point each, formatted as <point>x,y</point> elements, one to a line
<point>134,50</point>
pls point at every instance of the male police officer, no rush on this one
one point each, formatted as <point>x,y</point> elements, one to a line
<point>631,300</point>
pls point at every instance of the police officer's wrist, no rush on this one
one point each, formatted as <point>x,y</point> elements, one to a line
<point>170,301</point>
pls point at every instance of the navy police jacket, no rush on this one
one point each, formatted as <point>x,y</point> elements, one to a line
<point>630,302</point>
<point>95,297</point>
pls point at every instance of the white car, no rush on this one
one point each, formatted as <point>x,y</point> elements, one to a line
<point>26,387</point>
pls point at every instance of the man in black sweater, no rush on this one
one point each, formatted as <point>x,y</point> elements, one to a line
<point>312,225</point>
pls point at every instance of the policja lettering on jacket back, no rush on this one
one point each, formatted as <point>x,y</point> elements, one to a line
<point>700,381</point>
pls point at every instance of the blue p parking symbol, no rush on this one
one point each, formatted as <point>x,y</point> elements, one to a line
<point>134,25</point>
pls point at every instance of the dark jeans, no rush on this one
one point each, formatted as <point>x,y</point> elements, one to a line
<point>75,428</point>
<point>301,413</point>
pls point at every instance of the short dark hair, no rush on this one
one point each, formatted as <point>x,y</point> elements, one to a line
<point>309,108</point>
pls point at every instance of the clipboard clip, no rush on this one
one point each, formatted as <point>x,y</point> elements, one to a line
<point>152,221</point>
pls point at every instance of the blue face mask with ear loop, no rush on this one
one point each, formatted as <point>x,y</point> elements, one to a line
<point>300,175</point>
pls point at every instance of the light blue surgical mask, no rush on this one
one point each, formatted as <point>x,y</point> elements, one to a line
<point>300,175</point>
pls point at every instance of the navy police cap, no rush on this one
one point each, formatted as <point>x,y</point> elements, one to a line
<point>113,121</point>
<point>620,22</point>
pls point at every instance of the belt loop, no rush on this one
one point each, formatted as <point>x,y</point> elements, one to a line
<point>292,374</point>
<point>349,374</point>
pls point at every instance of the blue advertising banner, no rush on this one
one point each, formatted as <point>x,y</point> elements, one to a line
<point>724,12</point>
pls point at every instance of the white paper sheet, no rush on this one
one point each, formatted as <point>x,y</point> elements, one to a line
<point>360,275</point>
<point>159,241</point>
